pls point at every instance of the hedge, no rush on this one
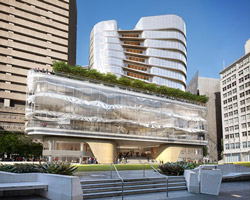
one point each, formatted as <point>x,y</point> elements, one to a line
<point>60,66</point>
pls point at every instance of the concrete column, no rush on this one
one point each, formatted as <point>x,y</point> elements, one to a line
<point>82,150</point>
<point>168,153</point>
<point>103,150</point>
<point>50,148</point>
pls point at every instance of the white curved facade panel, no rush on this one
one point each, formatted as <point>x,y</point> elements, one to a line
<point>161,22</point>
<point>172,84</point>
<point>166,54</point>
<point>166,45</point>
<point>156,42</point>
<point>168,73</point>
<point>164,35</point>
<point>168,64</point>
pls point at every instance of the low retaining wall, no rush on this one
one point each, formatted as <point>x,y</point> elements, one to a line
<point>59,186</point>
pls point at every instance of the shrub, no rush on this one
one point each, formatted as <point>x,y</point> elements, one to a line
<point>176,169</point>
<point>20,168</point>
<point>172,169</point>
<point>124,81</point>
<point>137,84</point>
<point>150,87</point>
<point>94,74</point>
<point>111,78</point>
<point>58,168</point>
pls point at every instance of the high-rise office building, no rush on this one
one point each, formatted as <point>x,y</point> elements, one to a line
<point>33,34</point>
<point>211,88</point>
<point>235,103</point>
<point>154,51</point>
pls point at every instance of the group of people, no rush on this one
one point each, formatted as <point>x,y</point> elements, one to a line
<point>92,160</point>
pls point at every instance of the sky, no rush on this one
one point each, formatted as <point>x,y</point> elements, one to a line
<point>217,30</point>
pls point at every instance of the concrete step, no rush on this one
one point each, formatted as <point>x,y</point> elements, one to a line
<point>132,187</point>
<point>170,178</point>
<point>116,184</point>
<point>128,192</point>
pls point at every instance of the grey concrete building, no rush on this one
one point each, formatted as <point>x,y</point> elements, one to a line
<point>235,101</point>
<point>211,88</point>
<point>32,35</point>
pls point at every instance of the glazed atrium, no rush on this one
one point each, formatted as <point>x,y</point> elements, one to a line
<point>78,119</point>
<point>154,51</point>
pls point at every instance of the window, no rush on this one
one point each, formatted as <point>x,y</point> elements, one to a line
<point>241,87</point>
<point>247,76</point>
<point>244,125</point>
<point>242,102</point>
<point>242,94</point>
<point>243,109</point>
<point>237,135</point>
<point>231,135</point>
<point>226,136</point>
<point>230,107</point>
<point>226,129</point>
<point>247,84</point>
<point>248,124</point>
<point>225,95</point>
<point>231,128</point>
<point>236,120</point>
<point>232,146</point>
<point>225,115</point>
<point>235,105</point>
<point>241,80</point>
<point>236,127</point>
<point>225,101</point>
<point>247,92</point>
<point>229,100</point>
<point>240,72</point>
<point>227,146</point>
<point>229,93</point>
<point>228,80</point>
<point>235,97</point>
<point>229,86</point>
<point>244,133</point>
<point>237,145</point>
<point>224,82</point>
<point>234,83</point>
<point>236,112</point>
<point>248,108</point>
<point>234,90</point>
<point>244,144</point>
<point>224,89</point>
<point>230,113</point>
<point>248,100</point>
<point>243,117</point>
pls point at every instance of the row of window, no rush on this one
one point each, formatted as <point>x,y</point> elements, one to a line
<point>237,135</point>
<point>229,86</point>
<point>237,145</point>
<point>236,127</point>
<point>231,113</point>
<point>242,94</point>
<point>230,99</point>
<point>230,93</point>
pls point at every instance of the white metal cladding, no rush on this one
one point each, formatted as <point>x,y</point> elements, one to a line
<point>161,43</point>
<point>68,104</point>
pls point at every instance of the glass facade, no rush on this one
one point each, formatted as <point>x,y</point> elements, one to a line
<point>55,102</point>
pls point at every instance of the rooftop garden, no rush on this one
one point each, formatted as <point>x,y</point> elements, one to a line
<point>61,68</point>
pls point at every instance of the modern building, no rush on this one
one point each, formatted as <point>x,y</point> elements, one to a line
<point>235,102</point>
<point>211,88</point>
<point>32,35</point>
<point>154,51</point>
<point>80,119</point>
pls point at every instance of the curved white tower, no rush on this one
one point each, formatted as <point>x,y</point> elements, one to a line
<point>155,51</point>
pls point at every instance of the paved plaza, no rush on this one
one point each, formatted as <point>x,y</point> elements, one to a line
<point>229,190</point>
